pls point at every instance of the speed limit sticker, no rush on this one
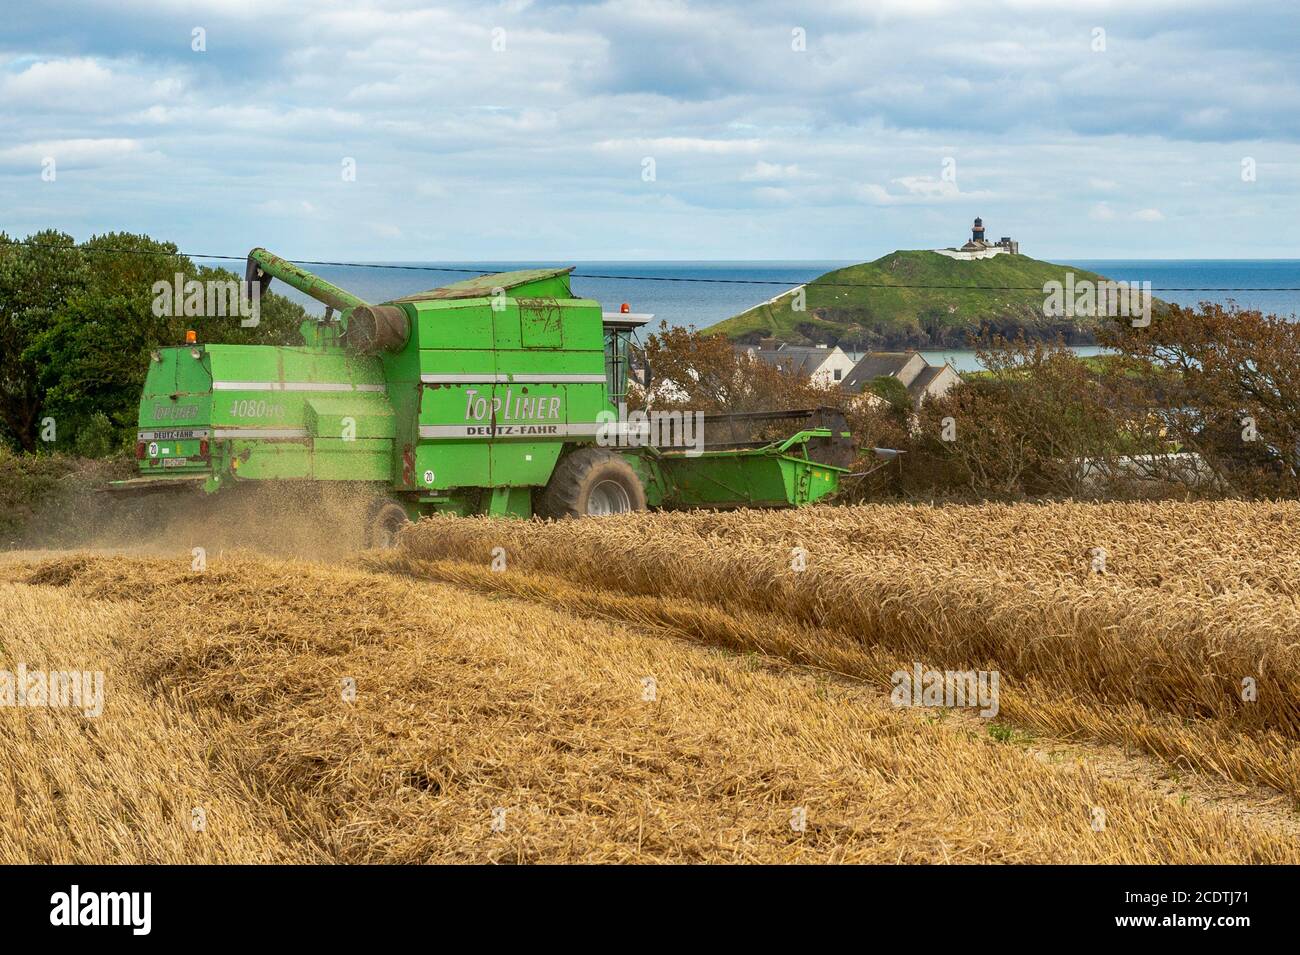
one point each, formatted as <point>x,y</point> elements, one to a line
<point>428,477</point>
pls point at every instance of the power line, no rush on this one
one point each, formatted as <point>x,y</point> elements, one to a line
<point>794,283</point>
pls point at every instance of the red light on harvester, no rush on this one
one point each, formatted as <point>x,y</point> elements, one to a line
<point>625,308</point>
<point>139,450</point>
<point>203,448</point>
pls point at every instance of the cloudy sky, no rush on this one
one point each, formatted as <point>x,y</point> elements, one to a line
<point>656,129</point>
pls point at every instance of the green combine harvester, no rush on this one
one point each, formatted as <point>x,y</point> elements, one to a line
<point>489,396</point>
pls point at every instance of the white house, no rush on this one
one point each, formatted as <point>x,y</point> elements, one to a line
<point>820,364</point>
<point>921,379</point>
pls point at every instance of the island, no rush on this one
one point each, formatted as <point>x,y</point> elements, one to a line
<point>929,299</point>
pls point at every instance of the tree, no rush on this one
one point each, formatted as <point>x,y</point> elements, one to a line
<point>705,373</point>
<point>892,391</point>
<point>699,372</point>
<point>1228,380</point>
<point>77,325</point>
<point>36,280</point>
<point>1039,421</point>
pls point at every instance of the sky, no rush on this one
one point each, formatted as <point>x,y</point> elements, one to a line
<point>384,130</point>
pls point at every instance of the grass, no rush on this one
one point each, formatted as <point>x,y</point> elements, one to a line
<point>1007,734</point>
<point>896,312</point>
<point>39,492</point>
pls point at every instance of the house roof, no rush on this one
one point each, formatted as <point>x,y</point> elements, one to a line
<point>920,387</point>
<point>880,363</point>
<point>922,381</point>
<point>796,358</point>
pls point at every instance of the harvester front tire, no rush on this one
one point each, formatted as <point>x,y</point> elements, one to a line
<point>591,482</point>
<point>387,519</point>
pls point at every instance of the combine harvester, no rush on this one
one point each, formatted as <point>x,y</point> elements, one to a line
<point>481,397</point>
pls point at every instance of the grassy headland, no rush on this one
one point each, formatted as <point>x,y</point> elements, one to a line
<point>919,299</point>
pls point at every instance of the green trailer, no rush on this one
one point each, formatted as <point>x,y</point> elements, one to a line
<point>502,394</point>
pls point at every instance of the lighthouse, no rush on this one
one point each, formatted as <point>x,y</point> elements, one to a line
<point>981,248</point>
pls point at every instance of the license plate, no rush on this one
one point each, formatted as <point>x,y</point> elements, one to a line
<point>175,462</point>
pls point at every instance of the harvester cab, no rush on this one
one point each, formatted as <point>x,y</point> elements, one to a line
<point>623,353</point>
<point>502,394</point>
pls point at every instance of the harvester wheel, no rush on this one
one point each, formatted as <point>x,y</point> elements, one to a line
<point>591,482</point>
<point>387,518</point>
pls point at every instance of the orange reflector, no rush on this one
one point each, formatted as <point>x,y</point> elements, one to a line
<point>190,337</point>
<point>625,308</point>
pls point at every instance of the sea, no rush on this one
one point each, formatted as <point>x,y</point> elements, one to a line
<point>701,293</point>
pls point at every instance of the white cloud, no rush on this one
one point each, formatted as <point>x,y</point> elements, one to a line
<point>767,171</point>
<point>917,190</point>
<point>287,207</point>
<point>69,153</point>
<point>873,193</point>
<point>51,83</point>
<point>752,140</point>
<point>682,144</point>
<point>929,187</point>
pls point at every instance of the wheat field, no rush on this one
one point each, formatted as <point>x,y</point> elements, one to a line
<point>675,688</point>
<point>1151,647</point>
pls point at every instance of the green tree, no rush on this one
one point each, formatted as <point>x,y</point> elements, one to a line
<point>1039,421</point>
<point>892,390</point>
<point>36,281</point>
<point>79,326</point>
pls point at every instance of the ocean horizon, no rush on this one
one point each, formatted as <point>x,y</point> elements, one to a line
<point>689,293</point>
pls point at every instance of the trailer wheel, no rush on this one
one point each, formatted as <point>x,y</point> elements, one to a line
<point>387,518</point>
<point>591,482</point>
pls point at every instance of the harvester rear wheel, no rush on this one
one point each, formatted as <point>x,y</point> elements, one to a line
<point>387,518</point>
<point>591,482</point>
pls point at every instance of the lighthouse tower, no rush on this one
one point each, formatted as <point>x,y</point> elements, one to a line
<point>981,248</point>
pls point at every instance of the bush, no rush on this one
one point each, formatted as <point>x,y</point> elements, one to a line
<point>893,391</point>
<point>43,494</point>
<point>96,438</point>
<point>1039,421</point>
<point>1228,383</point>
